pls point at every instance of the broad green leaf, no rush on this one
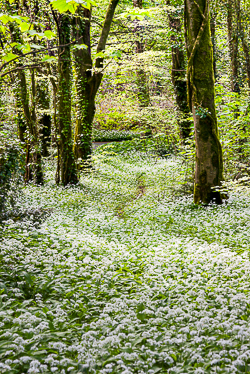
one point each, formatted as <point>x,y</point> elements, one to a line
<point>3,29</point>
<point>24,26</point>
<point>48,58</point>
<point>36,46</point>
<point>80,46</point>
<point>35,33</point>
<point>10,56</point>
<point>4,18</point>
<point>49,34</point>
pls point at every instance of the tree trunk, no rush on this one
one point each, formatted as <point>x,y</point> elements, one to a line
<point>213,38</point>
<point>33,153</point>
<point>36,158</point>
<point>67,163</point>
<point>232,27</point>
<point>43,106</point>
<point>141,76</point>
<point>200,77</point>
<point>20,78</point>
<point>244,42</point>
<point>88,82</point>
<point>179,75</point>
<point>85,95</point>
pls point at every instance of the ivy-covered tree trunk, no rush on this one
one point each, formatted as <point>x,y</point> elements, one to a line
<point>19,86</point>
<point>87,80</point>
<point>43,109</point>
<point>85,90</point>
<point>68,171</point>
<point>35,149</point>
<point>27,126</point>
<point>200,78</point>
<point>233,42</point>
<point>213,38</point>
<point>179,73</point>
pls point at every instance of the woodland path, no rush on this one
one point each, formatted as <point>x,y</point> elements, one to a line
<point>110,277</point>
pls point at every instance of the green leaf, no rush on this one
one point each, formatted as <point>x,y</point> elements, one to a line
<point>24,26</point>
<point>3,29</point>
<point>36,46</point>
<point>10,56</point>
<point>80,46</point>
<point>49,34</point>
<point>4,18</point>
<point>48,58</point>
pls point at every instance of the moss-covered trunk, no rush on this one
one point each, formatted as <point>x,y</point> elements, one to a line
<point>68,172</point>
<point>87,80</point>
<point>85,90</point>
<point>179,72</point>
<point>213,38</point>
<point>200,75</point>
<point>43,109</point>
<point>27,125</point>
<point>233,42</point>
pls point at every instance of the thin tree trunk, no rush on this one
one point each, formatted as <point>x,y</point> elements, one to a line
<point>67,163</point>
<point>35,144</point>
<point>179,75</point>
<point>141,75</point>
<point>232,27</point>
<point>213,38</point>
<point>43,106</point>
<point>200,75</point>
<point>244,42</point>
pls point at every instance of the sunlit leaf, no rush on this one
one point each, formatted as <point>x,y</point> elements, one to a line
<point>48,58</point>
<point>10,56</point>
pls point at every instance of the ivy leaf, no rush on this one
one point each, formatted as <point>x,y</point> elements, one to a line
<point>10,56</point>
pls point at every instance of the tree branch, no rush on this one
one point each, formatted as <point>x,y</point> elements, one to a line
<point>105,30</point>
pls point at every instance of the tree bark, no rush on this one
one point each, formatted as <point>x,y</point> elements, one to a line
<point>68,171</point>
<point>232,28</point>
<point>213,38</point>
<point>200,78</point>
<point>33,153</point>
<point>85,95</point>
<point>43,108</point>
<point>87,81</point>
<point>179,74</point>
<point>244,42</point>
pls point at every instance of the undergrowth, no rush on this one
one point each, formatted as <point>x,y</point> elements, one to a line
<point>124,274</point>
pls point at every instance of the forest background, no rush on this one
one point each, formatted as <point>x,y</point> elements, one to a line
<point>72,73</point>
<point>131,256</point>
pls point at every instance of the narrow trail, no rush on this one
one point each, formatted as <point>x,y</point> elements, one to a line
<point>162,288</point>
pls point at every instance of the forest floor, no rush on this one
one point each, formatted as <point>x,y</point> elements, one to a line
<point>123,274</point>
